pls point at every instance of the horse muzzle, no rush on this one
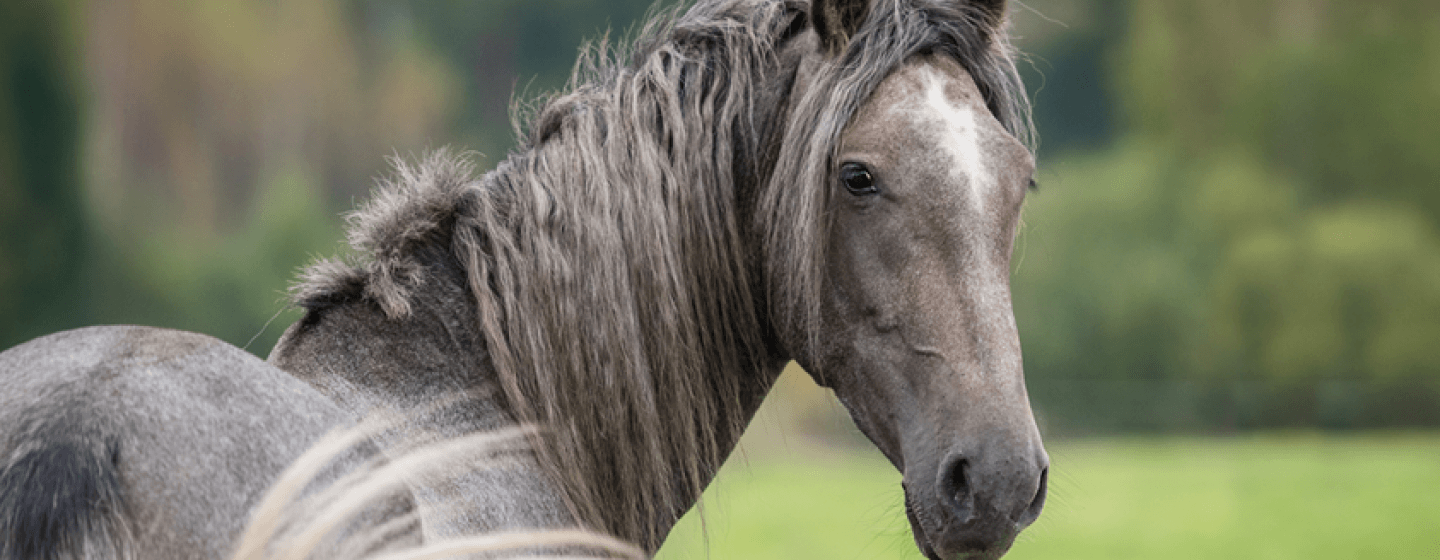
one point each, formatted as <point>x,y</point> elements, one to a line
<point>974,506</point>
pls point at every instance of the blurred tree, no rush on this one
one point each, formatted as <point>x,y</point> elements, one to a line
<point>509,50</point>
<point>43,233</point>
<point>203,117</point>
<point>206,112</point>
<point>1261,250</point>
<point>1067,65</point>
<point>199,104</point>
<point>1339,95</point>
<point>222,140</point>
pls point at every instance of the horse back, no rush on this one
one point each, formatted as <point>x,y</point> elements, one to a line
<point>142,442</point>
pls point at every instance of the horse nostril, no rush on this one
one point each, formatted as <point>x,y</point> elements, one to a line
<point>1032,512</point>
<point>955,487</point>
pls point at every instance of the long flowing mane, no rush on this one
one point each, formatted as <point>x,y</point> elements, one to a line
<point>608,258</point>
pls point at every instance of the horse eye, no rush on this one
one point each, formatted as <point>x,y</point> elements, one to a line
<point>858,180</point>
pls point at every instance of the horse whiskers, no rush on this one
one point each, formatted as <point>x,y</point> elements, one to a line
<point>328,523</point>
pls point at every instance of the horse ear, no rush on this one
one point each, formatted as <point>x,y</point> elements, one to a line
<point>995,9</point>
<point>837,20</point>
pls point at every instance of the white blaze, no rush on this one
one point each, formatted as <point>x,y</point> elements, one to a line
<point>960,135</point>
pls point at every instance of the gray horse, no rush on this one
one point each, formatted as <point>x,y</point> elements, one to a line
<point>836,182</point>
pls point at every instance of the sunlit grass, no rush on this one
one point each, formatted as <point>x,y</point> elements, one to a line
<point>1283,496</point>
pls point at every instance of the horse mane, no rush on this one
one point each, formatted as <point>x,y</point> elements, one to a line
<point>607,255</point>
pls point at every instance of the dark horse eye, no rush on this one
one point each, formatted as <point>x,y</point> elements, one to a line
<point>858,180</point>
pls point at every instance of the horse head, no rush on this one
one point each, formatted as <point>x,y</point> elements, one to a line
<point>919,179</point>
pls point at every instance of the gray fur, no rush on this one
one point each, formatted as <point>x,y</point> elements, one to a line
<point>200,426</point>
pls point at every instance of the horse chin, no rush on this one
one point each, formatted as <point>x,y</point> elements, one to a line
<point>925,538</point>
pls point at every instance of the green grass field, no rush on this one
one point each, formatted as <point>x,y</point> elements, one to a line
<point>1281,496</point>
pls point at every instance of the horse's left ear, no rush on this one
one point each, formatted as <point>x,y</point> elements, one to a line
<point>994,10</point>
<point>837,20</point>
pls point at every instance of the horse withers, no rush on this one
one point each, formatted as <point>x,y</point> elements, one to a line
<point>836,182</point>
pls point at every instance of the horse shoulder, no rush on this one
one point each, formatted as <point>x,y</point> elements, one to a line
<point>431,367</point>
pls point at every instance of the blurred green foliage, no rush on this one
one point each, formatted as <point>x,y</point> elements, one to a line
<point>1259,248</point>
<point>43,231</point>
<point>231,287</point>
<point>1236,225</point>
<point>508,51</point>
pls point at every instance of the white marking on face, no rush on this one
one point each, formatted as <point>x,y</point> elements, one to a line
<point>960,135</point>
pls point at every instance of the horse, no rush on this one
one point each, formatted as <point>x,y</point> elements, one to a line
<point>750,182</point>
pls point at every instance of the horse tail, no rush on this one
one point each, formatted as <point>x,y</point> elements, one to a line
<point>61,496</point>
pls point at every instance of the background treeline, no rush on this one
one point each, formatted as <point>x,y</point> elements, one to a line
<point>1256,244</point>
<point>1236,225</point>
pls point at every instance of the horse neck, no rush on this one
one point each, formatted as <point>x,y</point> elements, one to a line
<point>609,289</point>
<point>648,372</point>
<point>618,276</point>
<point>429,367</point>
<point>368,362</point>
